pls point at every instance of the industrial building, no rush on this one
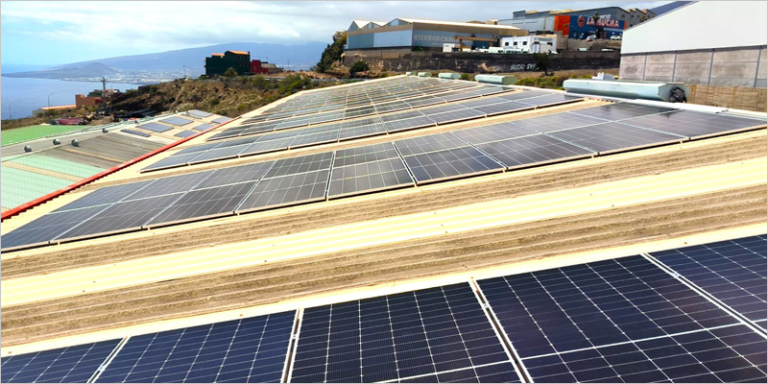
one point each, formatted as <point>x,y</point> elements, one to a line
<point>428,35</point>
<point>218,63</point>
<point>578,24</point>
<point>406,229</point>
<point>712,53</point>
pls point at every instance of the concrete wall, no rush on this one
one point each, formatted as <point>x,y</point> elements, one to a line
<point>404,60</point>
<point>727,67</point>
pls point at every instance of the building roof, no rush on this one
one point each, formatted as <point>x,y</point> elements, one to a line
<point>238,52</point>
<point>217,54</point>
<point>488,213</point>
<point>69,106</point>
<point>457,23</point>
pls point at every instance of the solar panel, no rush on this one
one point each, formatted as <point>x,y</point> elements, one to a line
<point>693,124</point>
<point>443,108</point>
<point>199,114</point>
<point>301,164</point>
<point>218,154</point>
<point>450,164</point>
<point>495,132</point>
<point>549,100</point>
<point>227,133</point>
<point>364,131</point>
<point>451,117</point>
<point>557,122</point>
<point>239,174</point>
<point>286,190</point>
<point>614,320</point>
<point>184,134</point>
<point>176,160</point>
<point>408,124</point>
<point>315,139</point>
<point>498,109</point>
<point>251,350</point>
<point>75,364</point>
<point>621,111</point>
<point>204,203</point>
<point>222,120</point>
<point>267,146</point>
<point>199,148</point>
<point>137,133</point>
<point>425,101</point>
<point>364,154</point>
<point>236,142</point>
<point>257,130</point>
<point>493,373</point>
<point>369,176</point>
<point>47,227</point>
<point>394,106</point>
<point>614,137</point>
<point>121,217</point>
<point>532,150</point>
<point>106,195</point>
<point>732,271</point>
<point>430,143</point>
<point>524,95</point>
<point>484,102</point>
<point>171,185</point>
<point>412,335</point>
<point>155,127</point>
<point>178,121</point>
<point>401,115</point>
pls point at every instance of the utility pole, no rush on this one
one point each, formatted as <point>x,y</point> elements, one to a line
<point>185,71</point>
<point>49,103</point>
<point>104,94</point>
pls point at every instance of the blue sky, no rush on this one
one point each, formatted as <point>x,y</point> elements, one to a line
<point>53,33</point>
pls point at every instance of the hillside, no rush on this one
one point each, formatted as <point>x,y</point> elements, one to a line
<point>66,72</point>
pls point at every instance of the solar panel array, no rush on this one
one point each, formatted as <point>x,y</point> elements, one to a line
<point>347,130</point>
<point>155,127</point>
<point>135,132</point>
<point>184,134</point>
<point>628,319</point>
<point>305,179</point>
<point>176,120</point>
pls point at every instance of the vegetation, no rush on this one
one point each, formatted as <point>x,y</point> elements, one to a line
<point>332,52</point>
<point>230,72</point>
<point>467,76</point>
<point>359,66</point>
<point>543,62</point>
<point>551,82</point>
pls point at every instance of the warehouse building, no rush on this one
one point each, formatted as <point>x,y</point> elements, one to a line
<point>218,63</point>
<point>578,24</point>
<point>673,48</point>
<point>428,35</point>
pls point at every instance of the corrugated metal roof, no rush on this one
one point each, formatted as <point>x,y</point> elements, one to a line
<point>440,22</point>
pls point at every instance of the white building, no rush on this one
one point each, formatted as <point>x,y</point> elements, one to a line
<point>529,44</point>
<point>716,43</point>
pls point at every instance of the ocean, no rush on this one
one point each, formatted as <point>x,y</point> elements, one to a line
<point>19,97</point>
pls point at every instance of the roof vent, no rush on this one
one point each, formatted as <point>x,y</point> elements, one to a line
<point>75,143</point>
<point>56,141</point>
<point>27,148</point>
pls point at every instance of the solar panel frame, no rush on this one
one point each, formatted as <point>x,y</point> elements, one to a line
<point>177,121</point>
<point>154,127</point>
<point>450,164</point>
<point>245,350</point>
<point>535,150</point>
<point>80,363</point>
<point>293,189</point>
<point>615,137</point>
<point>370,176</point>
<point>203,204</point>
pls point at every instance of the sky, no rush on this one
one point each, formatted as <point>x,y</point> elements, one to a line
<point>59,32</point>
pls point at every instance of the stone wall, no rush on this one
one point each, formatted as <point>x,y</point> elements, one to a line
<point>468,62</point>
<point>727,67</point>
<point>747,98</point>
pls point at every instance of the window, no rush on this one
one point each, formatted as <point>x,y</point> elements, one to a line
<point>506,44</point>
<point>515,43</point>
<point>525,43</point>
<point>550,43</point>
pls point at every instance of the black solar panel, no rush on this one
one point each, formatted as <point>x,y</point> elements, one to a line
<point>47,227</point>
<point>694,124</point>
<point>364,131</point>
<point>495,132</point>
<point>203,203</point>
<point>359,155</point>
<point>234,175</point>
<point>236,142</point>
<point>524,95</point>
<point>155,127</point>
<point>301,164</point>
<point>176,160</point>
<point>400,116</point>
<point>498,109</point>
<point>74,364</point>
<point>199,114</point>
<point>532,150</point>
<point>137,133</point>
<point>407,124</point>
<point>267,146</point>
<point>171,185</point>
<point>184,134</point>
<point>203,127</point>
<point>460,115</point>
<point>199,148</point>
<point>430,143</point>
<point>617,320</point>
<point>549,100</point>
<point>106,195</point>
<point>425,101</point>
<point>556,122</point>
<point>369,176</point>
<point>121,217</point>
<point>449,164</point>
<point>621,111</point>
<point>732,271</point>
<point>613,137</point>
<point>218,153</point>
<point>315,139</point>
<point>179,121</point>
<point>291,189</point>
<point>442,332</point>
<point>222,120</point>
<point>251,350</point>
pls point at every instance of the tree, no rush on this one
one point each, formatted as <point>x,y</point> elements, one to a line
<point>231,72</point>
<point>332,52</point>
<point>359,66</point>
<point>543,62</point>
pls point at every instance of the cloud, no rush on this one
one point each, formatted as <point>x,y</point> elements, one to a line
<point>143,27</point>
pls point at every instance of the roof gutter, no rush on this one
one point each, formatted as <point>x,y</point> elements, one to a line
<point>26,206</point>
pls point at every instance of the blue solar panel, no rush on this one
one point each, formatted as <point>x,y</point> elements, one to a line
<point>203,127</point>
<point>184,134</point>
<point>621,320</point>
<point>176,121</point>
<point>155,127</point>
<point>222,120</point>
<point>199,114</point>
<point>74,364</point>
<point>733,271</point>
<point>251,350</point>
<point>137,133</point>
<point>430,334</point>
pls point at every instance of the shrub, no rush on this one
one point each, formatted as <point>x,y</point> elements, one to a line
<point>465,76</point>
<point>231,72</point>
<point>215,102</point>
<point>359,66</point>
